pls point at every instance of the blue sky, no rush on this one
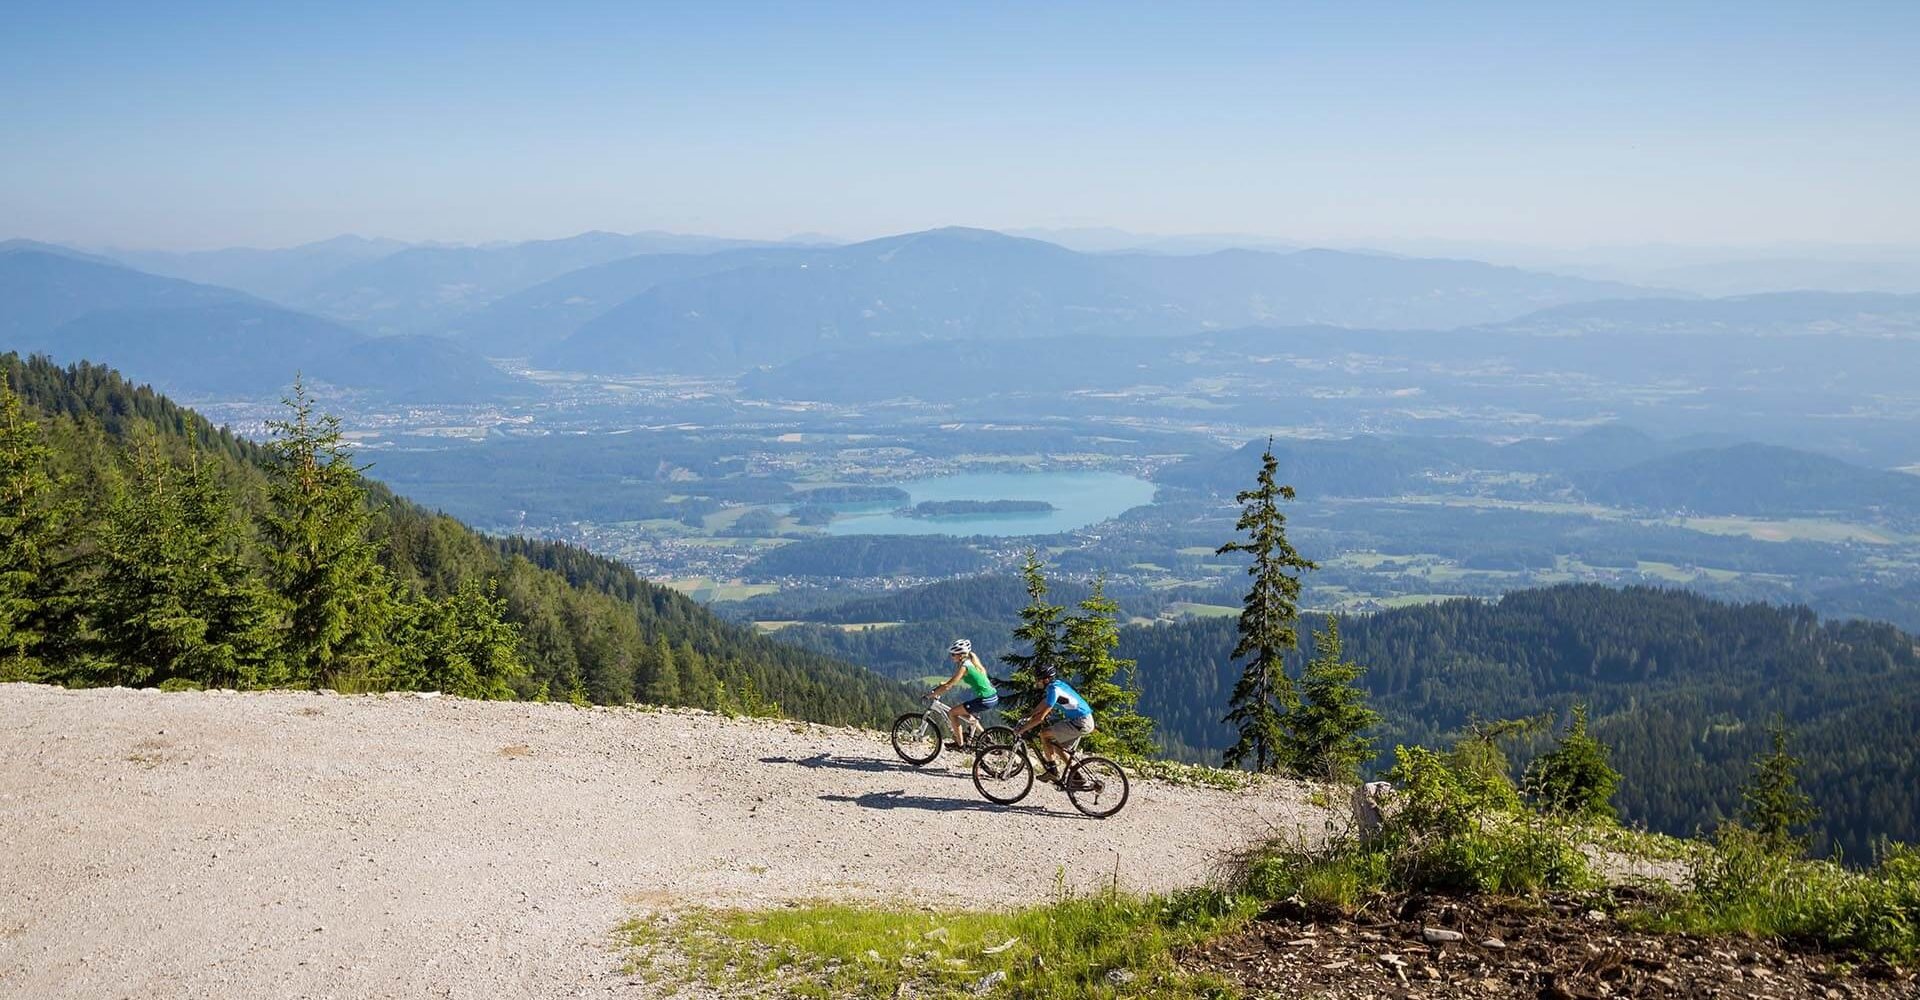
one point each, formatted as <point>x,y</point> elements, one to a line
<point>204,125</point>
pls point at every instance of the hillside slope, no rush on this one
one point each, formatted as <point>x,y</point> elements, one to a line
<point>286,844</point>
<point>1680,685</point>
<point>589,627</point>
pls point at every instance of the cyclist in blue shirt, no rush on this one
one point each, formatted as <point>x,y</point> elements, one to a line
<point>1063,734</point>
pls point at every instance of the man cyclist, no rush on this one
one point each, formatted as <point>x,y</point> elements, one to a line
<point>968,670</point>
<point>1063,734</point>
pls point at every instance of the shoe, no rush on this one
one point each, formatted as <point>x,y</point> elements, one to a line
<point>1050,776</point>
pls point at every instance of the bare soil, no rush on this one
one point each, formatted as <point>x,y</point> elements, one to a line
<point>1556,949</point>
<point>214,844</point>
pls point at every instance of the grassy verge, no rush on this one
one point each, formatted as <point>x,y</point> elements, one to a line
<point>1112,945</point>
<point>1738,888</point>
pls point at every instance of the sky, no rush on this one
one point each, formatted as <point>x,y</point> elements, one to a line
<point>190,126</point>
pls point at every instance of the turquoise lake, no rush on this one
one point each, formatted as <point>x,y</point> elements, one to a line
<point>1079,499</point>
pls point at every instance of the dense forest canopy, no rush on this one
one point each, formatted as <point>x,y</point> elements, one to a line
<point>1680,685</point>
<point>556,621</point>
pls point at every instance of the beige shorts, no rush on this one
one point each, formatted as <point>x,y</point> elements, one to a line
<point>1066,734</point>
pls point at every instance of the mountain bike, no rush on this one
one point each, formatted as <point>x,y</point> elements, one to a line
<point>919,736</point>
<point>1095,785</point>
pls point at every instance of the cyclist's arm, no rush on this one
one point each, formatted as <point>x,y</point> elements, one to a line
<point>1034,719</point>
<point>958,673</point>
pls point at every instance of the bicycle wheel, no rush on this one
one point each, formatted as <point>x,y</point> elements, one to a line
<point>916,738</point>
<point>1003,773</point>
<point>1096,786</point>
<point>995,736</point>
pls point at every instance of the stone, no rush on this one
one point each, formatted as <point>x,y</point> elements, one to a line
<point>1440,935</point>
<point>1494,944</point>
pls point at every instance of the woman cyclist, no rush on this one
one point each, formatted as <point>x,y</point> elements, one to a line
<point>967,670</point>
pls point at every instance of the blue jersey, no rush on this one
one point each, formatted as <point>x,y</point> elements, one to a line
<point>1062,698</point>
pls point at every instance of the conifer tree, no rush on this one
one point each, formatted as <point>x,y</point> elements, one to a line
<point>1574,778</point>
<point>662,685</point>
<point>1323,728</point>
<point>460,644</point>
<point>1268,622</point>
<point>1040,633</point>
<point>1775,806</point>
<point>174,599</point>
<point>325,565</point>
<point>32,521</point>
<point>1107,683</point>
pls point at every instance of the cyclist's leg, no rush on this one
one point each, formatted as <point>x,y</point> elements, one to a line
<point>961,723</point>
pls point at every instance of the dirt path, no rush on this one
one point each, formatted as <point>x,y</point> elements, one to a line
<point>299,845</point>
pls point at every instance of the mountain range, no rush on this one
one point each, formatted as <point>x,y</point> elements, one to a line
<point>969,284</point>
<point>871,313</point>
<point>204,340</point>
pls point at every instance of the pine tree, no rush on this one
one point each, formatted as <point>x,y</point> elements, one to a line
<point>1107,683</point>
<point>1268,622</point>
<point>1575,777</point>
<point>1041,633</point>
<point>1775,805</point>
<point>32,522</point>
<point>1323,728</point>
<point>325,566</point>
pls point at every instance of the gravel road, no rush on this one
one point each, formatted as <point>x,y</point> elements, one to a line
<point>312,845</point>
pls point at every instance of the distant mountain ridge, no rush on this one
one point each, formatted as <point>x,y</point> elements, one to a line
<point>970,284</point>
<point>205,340</point>
<point>1776,313</point>
<point>420,289</point>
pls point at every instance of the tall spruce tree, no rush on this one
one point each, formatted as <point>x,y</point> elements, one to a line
<point>1268,622</point>
<point>1040,634</point>
<point>325,565</point>
<point>33,520</point>
<point>1774,805</point>
<point>1324,727</point>
<point>1108,683</point>
<point>175,598</point>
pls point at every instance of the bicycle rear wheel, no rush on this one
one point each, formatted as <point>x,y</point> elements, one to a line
<point>995,736</point>
<point>1096,786</point>
<point>1003,774</point>
<point>916,738</point>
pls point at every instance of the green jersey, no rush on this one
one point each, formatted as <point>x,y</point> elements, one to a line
<point>978,682</point>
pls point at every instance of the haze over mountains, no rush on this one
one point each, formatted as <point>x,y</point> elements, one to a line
<point>665,303</point>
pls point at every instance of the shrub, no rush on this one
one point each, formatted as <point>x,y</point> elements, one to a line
<point>1574,778</point>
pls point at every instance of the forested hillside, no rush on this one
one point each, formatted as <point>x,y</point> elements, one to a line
<point>145,546</point>
<point>1680,685</point>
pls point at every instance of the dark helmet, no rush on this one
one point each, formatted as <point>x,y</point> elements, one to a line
<point>1043,673</point>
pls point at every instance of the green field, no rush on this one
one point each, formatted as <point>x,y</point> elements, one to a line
<point>1188,609</point>
<point>707,590</point>
<point>1793,529</point>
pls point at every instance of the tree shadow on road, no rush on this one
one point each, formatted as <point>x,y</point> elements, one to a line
<point>899,799</point>
<point>869,764</point>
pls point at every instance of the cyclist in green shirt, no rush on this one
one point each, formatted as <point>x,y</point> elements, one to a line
<point>967,670</point>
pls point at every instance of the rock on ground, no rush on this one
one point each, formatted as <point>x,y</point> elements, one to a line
<point>214,844</point>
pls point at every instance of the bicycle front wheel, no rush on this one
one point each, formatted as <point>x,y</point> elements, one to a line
<point>1003,774</point>
<point>916,738</point>
<point>1096,786</point>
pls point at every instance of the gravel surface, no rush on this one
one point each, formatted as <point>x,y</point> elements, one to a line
<point>312,845</point>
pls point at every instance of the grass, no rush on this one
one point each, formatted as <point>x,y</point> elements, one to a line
<point>1176,773</point>
<point>1792,529</point>
<point>706,589</point>
<point>1111,945</point>
<point>1190,609</point>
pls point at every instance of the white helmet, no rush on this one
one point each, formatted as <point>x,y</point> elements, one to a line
<point>960,647</point>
